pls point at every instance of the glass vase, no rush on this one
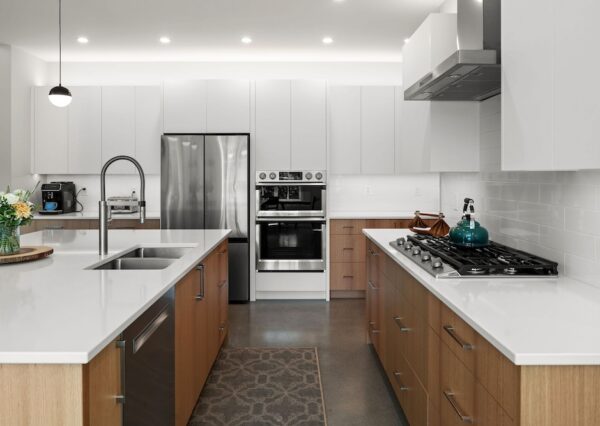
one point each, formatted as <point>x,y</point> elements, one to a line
<point>10,241</point>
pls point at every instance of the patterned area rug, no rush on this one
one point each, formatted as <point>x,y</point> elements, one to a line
<point>262,386</point>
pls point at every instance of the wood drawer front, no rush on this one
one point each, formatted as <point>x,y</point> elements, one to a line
<point>348,248</point>
<point>373,325</point>
<point>410,393</point>
<point>457,389</point>
<point>134,224</point>
<point>459,337</point>
<point>57,224</point>
<point>348,276</point>
<point>488,411</point>
<point>498,375</point>
<point>346,226</point>
<point>424,303</point>
<point>380,223</point>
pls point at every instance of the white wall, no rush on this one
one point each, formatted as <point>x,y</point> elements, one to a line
<point>552,214</point>
<point>403,193</point>
<point>367,73</point>
<point>449,6</point>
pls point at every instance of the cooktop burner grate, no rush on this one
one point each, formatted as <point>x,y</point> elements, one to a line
<point>495,259</point>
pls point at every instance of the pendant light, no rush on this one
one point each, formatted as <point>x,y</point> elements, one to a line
<point>60,96</point>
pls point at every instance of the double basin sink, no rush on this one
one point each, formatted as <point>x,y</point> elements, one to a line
<point>144,258</point>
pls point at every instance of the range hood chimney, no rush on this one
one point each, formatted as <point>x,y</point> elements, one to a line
<point>472,73</point>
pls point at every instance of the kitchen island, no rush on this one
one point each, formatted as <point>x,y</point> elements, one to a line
<point>501,351</point>
<point>59,320</point>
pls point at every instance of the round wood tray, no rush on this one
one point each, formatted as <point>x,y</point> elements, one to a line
<point>27,254</point>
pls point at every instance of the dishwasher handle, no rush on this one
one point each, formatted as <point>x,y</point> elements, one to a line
<point>149,330</point>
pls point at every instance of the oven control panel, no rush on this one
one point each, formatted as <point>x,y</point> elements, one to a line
<point>277,176</point>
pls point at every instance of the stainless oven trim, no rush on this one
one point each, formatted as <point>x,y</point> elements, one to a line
<point>293,213</point>
<point>263,265</point>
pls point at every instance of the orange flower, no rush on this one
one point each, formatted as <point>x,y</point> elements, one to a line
<point>22,210</point>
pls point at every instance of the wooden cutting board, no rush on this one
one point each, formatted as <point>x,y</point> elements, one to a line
<point>27,254</point>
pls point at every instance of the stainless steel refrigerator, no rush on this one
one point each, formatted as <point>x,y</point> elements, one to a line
<point>204,185</point>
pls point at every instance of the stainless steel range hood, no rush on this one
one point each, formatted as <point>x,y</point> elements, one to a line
<point>472,73</point>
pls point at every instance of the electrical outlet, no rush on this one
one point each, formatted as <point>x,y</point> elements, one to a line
<point>368,190</point>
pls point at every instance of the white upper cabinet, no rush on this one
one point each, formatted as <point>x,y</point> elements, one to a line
<point>548,122</point>
<point>228,106</point>
<point>148,127</point>
<point>185,107</point>
<point>309,125</point>
<point>118,126</point>
<point>344,130</point>
<point>50,135</point>
<point>527,82</point>
<point>432,43</point>
<point>273,125</point>
<point>85,130</point>
<point>412,135</point>
<point>377,130</point>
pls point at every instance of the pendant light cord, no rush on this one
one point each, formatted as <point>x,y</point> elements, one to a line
<point>60,42</point>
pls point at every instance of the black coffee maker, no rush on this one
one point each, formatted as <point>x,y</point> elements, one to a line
<point>58,198</point>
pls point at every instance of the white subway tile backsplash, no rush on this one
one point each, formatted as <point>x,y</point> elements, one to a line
<point>553,214</point>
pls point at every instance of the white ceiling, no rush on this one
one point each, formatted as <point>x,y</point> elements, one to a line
<point>209,30</point>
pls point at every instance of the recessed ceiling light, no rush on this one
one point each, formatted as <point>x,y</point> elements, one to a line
<point>327,40</point>
<point>246,40</point>
<point>82,40</point>
<point>164,40</point>
<point>406,40</point>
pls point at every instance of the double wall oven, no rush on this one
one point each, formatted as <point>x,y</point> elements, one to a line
<point>290,221</point>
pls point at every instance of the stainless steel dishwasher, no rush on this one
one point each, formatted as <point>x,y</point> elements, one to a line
<point>148,362</point>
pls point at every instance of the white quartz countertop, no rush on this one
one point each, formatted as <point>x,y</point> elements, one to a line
<point>532,321</point>
<point>55,311</point>
<point>369,215</point>
<point>93,215</point>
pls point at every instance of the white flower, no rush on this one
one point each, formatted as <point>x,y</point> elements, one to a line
<point>11,198</point>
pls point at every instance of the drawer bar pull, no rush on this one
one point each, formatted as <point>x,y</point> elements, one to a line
<point>372,286</point>
<point>348,248</point>
<point>463,417</point>
<point>403,387</point>
<point>373,329</point>
<point>465,345</point>
<point>403,328</point>
<point>347,227</point>
<point>373,253</point>
<point>348,276</point>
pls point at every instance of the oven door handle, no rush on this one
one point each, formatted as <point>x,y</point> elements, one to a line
<point>289,219</point>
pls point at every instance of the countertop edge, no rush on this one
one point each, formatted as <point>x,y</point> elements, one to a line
<point>520,359</point>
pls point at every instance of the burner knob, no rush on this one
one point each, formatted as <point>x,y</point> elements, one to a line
<point>425,256</point>
<point>408,246</point>
<point>437,263</point>
<point>319,176</point>
<point>400,241</point>
<point>272,176</point>
<point>308,175</point>
<point>416,251</point>
<point>262,176</point>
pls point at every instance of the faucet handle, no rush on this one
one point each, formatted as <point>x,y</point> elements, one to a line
<point>142,204</point>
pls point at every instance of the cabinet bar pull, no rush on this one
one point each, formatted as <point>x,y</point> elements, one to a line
<point>463,417</point>
<point>348,276</point>
<point>465,345</point>
<point>372,286</point>
<point>222,283</point>
<point>403,328</point>
<point>373,253</point>
<point>347,227</point>
<point>348,248</point>
<point>373,329</point>
<point>200,295</point>
<point>403,387</point>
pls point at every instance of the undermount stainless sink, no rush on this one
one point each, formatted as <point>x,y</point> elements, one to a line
<point>145,258</point>
<point>133,263</point>
<point>156,252</point>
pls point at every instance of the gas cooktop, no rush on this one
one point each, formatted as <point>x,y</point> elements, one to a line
<point>442,259</point>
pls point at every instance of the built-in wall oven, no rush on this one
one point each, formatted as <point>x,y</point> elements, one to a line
<point>290,221</point>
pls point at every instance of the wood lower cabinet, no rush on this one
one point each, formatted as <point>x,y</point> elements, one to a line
<point>62,394</point>
<point>348,248</point>
<point>201,319</point>
<point>445,373</point>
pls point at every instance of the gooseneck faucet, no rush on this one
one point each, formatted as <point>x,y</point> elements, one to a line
<point>104,214</point>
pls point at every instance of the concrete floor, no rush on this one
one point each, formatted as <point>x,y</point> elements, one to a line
<point>355,388</point>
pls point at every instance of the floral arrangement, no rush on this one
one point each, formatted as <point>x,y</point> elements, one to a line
<point>15,210</point>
